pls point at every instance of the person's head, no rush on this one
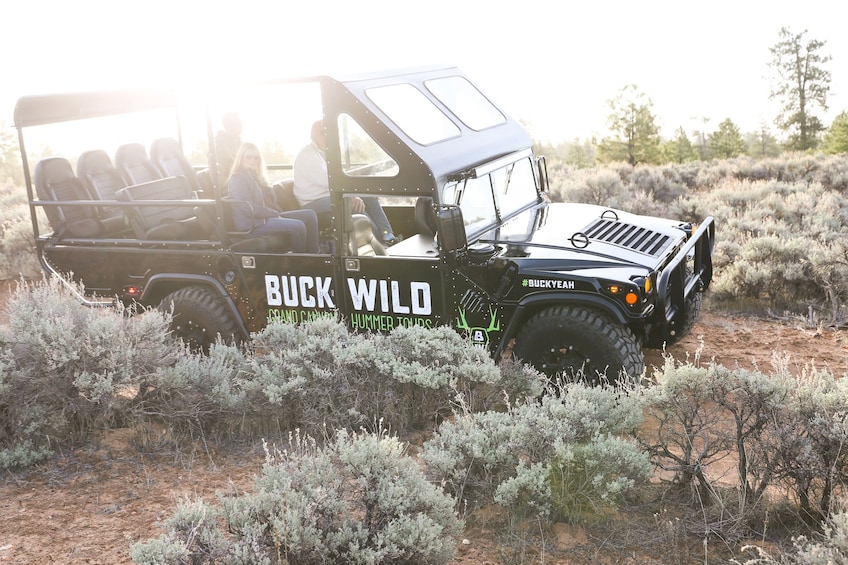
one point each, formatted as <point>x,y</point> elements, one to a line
<point>231,123</point>
<point>318,136</point>
<point>250,159</point>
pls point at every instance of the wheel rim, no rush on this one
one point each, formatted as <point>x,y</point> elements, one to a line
<point>564,359</point>
<point>193,335</point>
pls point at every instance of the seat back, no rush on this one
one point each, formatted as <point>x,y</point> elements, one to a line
<point>101,178</point>
<point>364,242</point>
<point>168,157</point>
<point>134,166</point>
<point>54,180</point>
<point>162,222</point>
<point>285,195</point>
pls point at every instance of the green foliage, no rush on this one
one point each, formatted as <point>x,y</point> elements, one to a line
<point>726,142</point>
<point>801,82</point>
<point>557,456</point>
<point>679,149</point>
<point>587,481</point>
<point>836,138</point>
<point>762,144</point>
<point>581,155</point>
<point>635,136</point>
<point>360,499</point>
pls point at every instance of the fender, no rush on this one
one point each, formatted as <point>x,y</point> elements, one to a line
<point>162,284</point>
<point>540,301</point>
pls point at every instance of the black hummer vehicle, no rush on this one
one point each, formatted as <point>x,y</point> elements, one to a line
<point>562,286</point>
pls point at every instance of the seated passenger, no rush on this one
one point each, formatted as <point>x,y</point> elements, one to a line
<point>312,186</point>
<point>248,183</point>
<point>227,142</point>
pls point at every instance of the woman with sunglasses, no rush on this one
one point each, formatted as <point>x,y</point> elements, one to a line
<point>249,183</point>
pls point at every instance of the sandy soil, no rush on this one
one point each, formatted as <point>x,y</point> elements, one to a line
<point>89,505</point>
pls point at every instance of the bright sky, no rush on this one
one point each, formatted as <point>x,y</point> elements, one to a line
<point>549,63</point>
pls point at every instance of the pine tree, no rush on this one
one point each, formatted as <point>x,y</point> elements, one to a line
<point>634,133</point>
<point>836,138</point>
<point>802,84</point>
<point>727,142</point>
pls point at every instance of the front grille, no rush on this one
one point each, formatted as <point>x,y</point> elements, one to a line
<point>632,237</point>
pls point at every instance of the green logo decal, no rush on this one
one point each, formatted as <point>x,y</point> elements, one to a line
<point>479,336</point>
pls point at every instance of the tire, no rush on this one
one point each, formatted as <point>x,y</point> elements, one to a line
<point>579,343</point>
<point>199,318</point>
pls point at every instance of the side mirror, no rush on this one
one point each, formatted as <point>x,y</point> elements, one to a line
<point>451,229</point>
<point>542,171</point>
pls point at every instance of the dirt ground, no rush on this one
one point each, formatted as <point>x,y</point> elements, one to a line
<point>89,505</point>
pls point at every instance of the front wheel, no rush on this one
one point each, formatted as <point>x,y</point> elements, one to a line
<point>578,342</point>
<point>199,317</point>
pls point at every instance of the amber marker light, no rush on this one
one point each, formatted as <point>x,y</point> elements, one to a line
<point>614,288</point>
<point>631,298</point>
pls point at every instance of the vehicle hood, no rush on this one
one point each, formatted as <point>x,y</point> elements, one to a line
<point>589,236</point>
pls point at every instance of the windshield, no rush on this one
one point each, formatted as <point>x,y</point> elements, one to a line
<point>493,197</point>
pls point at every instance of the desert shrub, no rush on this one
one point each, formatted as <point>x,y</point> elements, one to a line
<point>592,186</point>
<point>778,430</point>
<point>66,368</point>
<point>698,415</point>
<point>807,442</point>
<point>17,246</point>
<point>833,174</point>
<point>359,499</point>
<point>192,536</point>
<point>515,458</point>
<point>199,393</point>
<point>324,376</point>
<point>682,423</point>
<point>831,549</point>
<point>659,183</point>
<point>587,481</point>
<point>779,246</point>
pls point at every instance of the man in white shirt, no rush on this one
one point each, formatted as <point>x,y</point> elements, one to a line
<point>311,186</point>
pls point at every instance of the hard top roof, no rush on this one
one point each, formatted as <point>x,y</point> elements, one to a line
<point>341,94</point>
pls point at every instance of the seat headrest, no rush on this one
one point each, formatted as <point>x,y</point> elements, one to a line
<point>93,162</point>
<point>52,169</point>
<point>135,167</point>
<point>168,157</point>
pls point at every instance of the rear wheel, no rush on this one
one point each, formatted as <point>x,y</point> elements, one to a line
<point>578,342</point>
<point>199,317</point>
